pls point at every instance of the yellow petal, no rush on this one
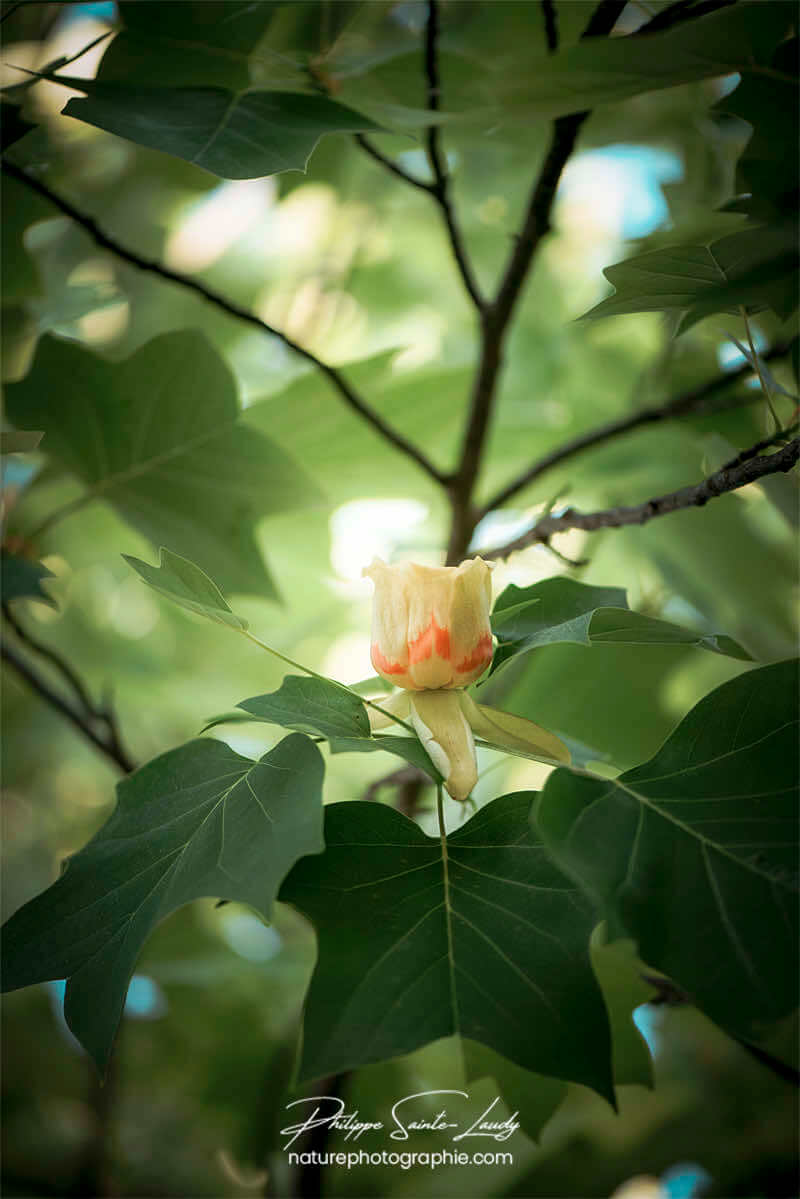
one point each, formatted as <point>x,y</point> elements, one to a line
<point>440,725</point>
<point>396,704</point>
<point>513,732</point>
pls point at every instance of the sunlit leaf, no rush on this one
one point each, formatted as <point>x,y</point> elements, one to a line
<point>197,821</point>
<point>187,586</point>
<point>311,705</point>
<point>157,436</point>
<point>754,267</point>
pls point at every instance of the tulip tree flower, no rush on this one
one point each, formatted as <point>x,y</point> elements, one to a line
<point>432,637</point>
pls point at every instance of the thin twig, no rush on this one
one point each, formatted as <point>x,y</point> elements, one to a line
<point>550,25</point>
<point>91,714</point>
<point>70,676</point>
<point>745,455</point>
<point>344,388</point>
<point>439,189</point>
<point>441,186</point>
<point>79,719</point>
<point>498,313</point>
<point>693,400</point>
<point>389,165</point>
<point>721,482</point>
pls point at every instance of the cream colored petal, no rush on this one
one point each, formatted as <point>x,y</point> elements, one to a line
<point>440,725</point>
<point>513,732</point>
<point>470,625</point>
<point>396,704</point>
<point>389,640</point>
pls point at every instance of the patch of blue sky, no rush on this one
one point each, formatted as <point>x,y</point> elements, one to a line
<point>623,184</point>
<point>145,1001</point>
<point>250,937</point>
<point>647,1019</point>
<point>102,10</point>
<point>686,1180</point>
<point>731,357</point>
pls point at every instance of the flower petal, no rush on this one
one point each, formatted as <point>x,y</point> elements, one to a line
<point>513,732</point>
<point>396,704</point>
<point>441,727</point>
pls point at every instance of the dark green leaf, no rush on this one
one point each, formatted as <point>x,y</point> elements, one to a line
<point>600,71</point>
<point>210,42</point>
<point>20,273</point>
<point>409,748</point>
<point>236,135</point>
<point>490,943</point>
<point>694,854</point>
<point>768,173</point>
<point>197,821</point>
<point>157,437</point>
<point>187,586</point>
<point>311,705</point>
<point>752,267</point>
<point>227,718</point>
<point>554,610</point>
<point>561,609</point>
<point>19,441</point>
<point>323,708</point>
<point>20,578</point>
<point>13,125</point>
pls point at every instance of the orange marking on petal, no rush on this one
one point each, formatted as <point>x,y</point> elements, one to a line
<point>382,664</point>
<point>441,640</point>
<point>432,639</point>
<point>421,648</point>
<point>481,654</point>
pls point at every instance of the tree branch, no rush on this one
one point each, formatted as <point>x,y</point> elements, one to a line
<point>386,162</point>
<point>497,314</point>
<point>550,25</point>
<point>694,400</point>
<point>441,186</point>
<point>338,381</point>
<point>729,478</point>
<point>108,744</point>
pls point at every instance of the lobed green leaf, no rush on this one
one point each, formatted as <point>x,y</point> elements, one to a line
<point>235,135</point>
<point>21,578</point>
<point>186,585</point>
<point>489,942</point>
<point>563,610</point>
<point>694,854</point>
<point>197,821</point>
<point>158,437</point>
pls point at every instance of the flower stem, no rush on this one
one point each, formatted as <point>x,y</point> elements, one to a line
<point>342,686</point>
<point>440,813</point>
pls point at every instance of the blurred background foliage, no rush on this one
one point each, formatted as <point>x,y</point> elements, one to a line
<point>354,265</point>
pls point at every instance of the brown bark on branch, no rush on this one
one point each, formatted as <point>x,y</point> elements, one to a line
<point>729,478</point>
<point>498,313</point>
<point>696,399</point>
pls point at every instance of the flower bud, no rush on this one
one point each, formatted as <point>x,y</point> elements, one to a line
<point>430,624</point>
